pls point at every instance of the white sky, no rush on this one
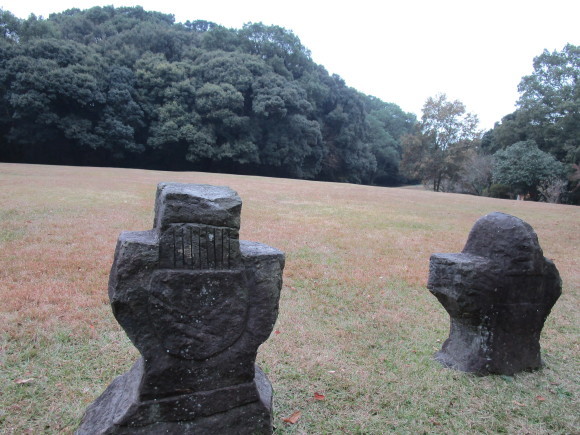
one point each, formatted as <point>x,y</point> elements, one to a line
<point>401,51</point>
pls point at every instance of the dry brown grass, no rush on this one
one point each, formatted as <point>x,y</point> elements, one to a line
<point>356,321</point>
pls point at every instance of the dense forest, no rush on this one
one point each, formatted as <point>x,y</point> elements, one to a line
<point>126,87</point>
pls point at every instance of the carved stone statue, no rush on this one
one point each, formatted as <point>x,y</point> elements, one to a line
<point>197,303</point>
<point>498,293</point>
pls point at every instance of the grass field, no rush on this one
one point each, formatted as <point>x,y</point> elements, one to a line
<point>356,325</point>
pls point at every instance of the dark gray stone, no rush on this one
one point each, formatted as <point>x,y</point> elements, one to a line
<point>197,302</point>
<point>498,293</point>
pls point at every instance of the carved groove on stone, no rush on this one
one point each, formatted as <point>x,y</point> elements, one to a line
<point>199,247</point>
<point>186,309</point>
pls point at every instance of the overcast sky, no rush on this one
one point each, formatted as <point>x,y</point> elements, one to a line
<point>400,51</point>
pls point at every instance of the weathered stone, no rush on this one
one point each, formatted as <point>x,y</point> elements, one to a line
<point>498,293</point>
<point>197,303</point>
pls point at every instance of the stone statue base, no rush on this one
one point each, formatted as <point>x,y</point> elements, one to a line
<point>242,409</point>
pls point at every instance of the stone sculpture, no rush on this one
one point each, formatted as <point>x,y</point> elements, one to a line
<point>498,293</point>
<point>197,302</point>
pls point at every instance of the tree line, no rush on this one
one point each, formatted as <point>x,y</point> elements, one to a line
<point>533,152</point>
<point>127,87</point>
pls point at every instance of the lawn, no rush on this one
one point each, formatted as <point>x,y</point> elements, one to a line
<point>357,324</point>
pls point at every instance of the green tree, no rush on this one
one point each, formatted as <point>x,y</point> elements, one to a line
<point>550,103</point>
<point>225,134</point>
<point>238,69</point>
<point>37,28</point>
<point>548,108</point>
<point>9,26</point>
<point>122,117</point>
<point>435,153</point>
<point>166,92</point>
<point>523,166</point>
<point>125,86</point>
<point>278,46</point>
<point>387,123</point>
<point>54,93</point>
<point>348,152</point>
<point>291,143</point>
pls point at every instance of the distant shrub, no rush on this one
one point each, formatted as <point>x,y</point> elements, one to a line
<point>499,191</point>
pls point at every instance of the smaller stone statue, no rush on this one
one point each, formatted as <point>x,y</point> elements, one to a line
<point>197,302</point>
<point>498,293</point>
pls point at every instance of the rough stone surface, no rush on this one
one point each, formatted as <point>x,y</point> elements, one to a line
<point>197,302</point>
<point>498,293</point>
